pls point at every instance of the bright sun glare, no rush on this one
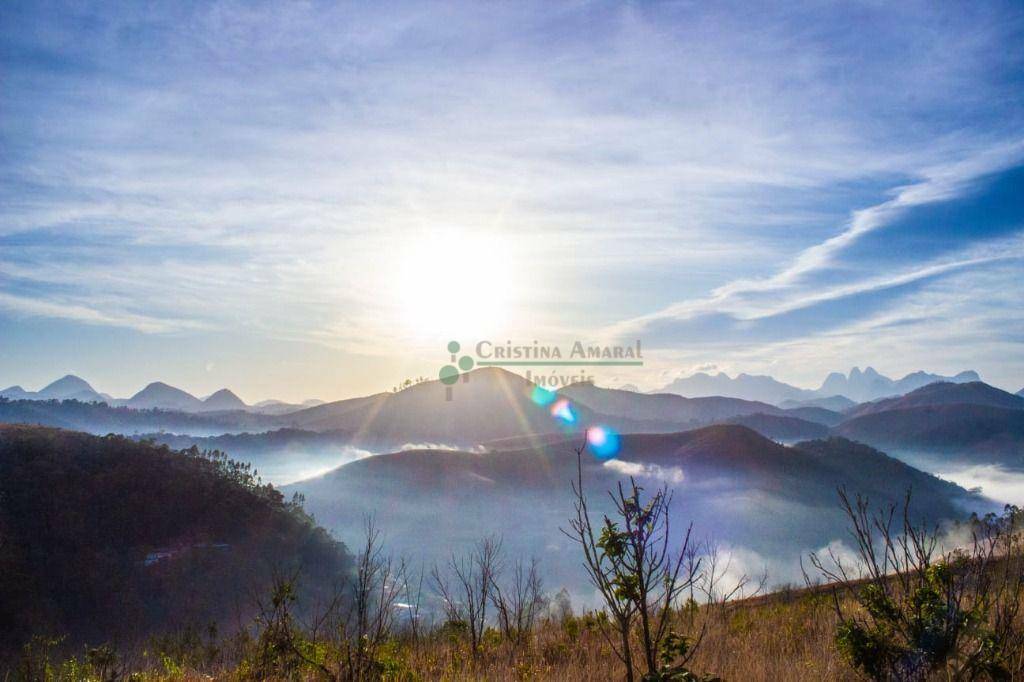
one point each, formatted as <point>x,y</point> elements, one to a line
<point>454,283</point>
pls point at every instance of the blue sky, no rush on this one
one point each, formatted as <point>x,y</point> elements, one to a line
<point>309,199</point>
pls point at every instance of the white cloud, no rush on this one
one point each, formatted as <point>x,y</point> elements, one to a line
<point>254,168</point>
<point>670,475</point>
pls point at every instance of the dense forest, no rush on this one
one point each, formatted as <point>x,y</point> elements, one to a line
<point>107,539</point>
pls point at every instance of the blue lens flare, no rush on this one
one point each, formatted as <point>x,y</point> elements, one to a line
<point>543,396</point>
<point>563,412</point>
<point>603,441</point>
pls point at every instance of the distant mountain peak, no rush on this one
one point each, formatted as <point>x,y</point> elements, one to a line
<point>164,396</point>
<point>859,385</point>
<point>224,399</point>
<point>68,382</point>
<point>761,388</point>
<point>158,385</point>
<point>69,386</point>
<point>868,384</point>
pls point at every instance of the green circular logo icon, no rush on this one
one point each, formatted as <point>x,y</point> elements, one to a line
<point>465,363</point>
<point>453,347</point>
<point>449,374</point>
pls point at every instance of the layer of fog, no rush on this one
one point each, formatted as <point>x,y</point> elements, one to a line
<point>994,481</point>
<point>291,465</point>
<point>999,483</point>
<point>754,532</point>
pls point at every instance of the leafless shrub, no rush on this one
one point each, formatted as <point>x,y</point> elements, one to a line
<point>716,583</point>
<point>412,594</point>
<point>368,611</point>
<point>465,588</point>
<point>520,602</point>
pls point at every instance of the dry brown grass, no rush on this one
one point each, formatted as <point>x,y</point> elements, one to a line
<point>787,636</point>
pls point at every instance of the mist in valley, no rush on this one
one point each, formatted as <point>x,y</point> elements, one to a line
<point>427,521</point>
<point>999,483</point>
<point>291,466</point>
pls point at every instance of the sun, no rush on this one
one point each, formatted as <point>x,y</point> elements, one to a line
<point>454,283</point>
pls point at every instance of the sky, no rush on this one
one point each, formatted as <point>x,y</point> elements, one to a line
<point>308,199</point>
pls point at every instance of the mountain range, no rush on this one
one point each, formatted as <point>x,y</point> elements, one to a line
<point>492,405</point>
<point>837,391</point>
<point>68,387</point>
<point>498,455</point>
<point>156,395</point>
<point>957,423</point>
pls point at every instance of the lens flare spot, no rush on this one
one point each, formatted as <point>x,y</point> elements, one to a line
<point>603,441</point>
<point>563,412</point>
<point>543,396</point>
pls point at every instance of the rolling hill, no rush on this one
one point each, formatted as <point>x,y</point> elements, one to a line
<point>818,415</point>
<point>731,482</point>
<point>976,433</point>
<point>744,386</point>
<point>781,428</point>
<point>106,539</point>
<point>835,403</point>
<point>943,393</point>
<point>665,407</point>
<point>489,404</point>
<point>281,407</point>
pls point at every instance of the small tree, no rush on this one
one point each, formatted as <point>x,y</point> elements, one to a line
<point>908,611</point>
<point>343,640</point>
<point>413,596</point>
<point>520,602</point>
<point>281,650</point>
<point>639,574</point>
<point>714,585</point>
<point>465,588</point>
<point>368,611</point>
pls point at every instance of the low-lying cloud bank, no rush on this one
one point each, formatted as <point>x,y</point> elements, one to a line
<point>671,475</point>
